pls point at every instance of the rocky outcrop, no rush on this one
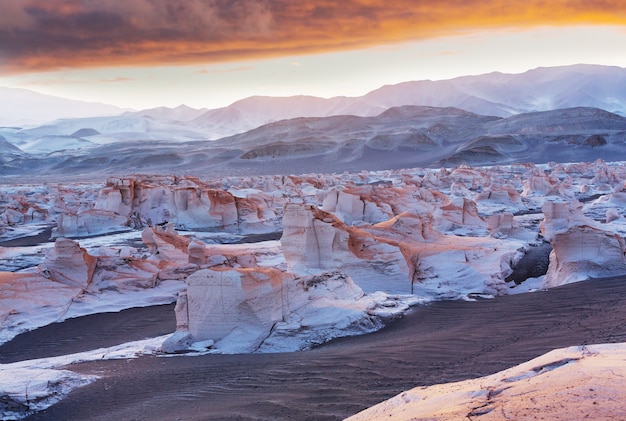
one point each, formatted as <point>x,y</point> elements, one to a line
<point>541,184</point>
<point>165,244</point>
<point>501,224</point>
<point>401,255</point>
<point>580,382</point>
<point>583,252</point>
<point>581,248</point>
<point>69,264</point>
<point>504,196</point>
<point>88,223</point>
<point>458,212</point>
<point>358,204</point>
<point>314,239</point>
<point>268,310</point>
<point>236,305</point>
<point>187,203</point>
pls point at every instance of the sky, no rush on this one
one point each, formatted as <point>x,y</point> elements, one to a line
<point>209,53</point>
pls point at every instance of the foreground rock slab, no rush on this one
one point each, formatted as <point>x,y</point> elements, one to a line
<point>580,382</point>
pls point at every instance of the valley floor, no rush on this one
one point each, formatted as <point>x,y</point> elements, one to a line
<point>441,342</point>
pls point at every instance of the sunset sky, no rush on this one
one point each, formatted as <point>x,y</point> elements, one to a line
<point>209,53</point>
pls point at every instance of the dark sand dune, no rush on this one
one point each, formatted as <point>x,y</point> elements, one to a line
<point>90,332</point>
<point>29,240</point>
<point>441,342</point>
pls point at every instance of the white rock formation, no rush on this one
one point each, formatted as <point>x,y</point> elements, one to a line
<point>89,222</point>
<point>503,196</point>
<point>580,382</point>
<point>402,255</point>
<point>268,310</point>
<point>69,264</point>
<point>541,184</point>
<point>188,203</point>
<point>581,248</point>
<point>458,212</point>
<point>438,233</point>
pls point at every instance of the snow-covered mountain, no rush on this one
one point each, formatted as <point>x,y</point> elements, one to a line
<point>22,107</point>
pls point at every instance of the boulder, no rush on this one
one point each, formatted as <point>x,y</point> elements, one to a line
<point>581,248</point>
<point>69,264</point>
<point>583,252</point>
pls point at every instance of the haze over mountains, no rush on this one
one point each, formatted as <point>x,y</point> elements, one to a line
<point>496,118</point>
<point>22,107</point>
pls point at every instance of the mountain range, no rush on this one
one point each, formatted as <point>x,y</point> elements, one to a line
<point>569,113</point>
<point>496,94</point>
<point>400,137</point>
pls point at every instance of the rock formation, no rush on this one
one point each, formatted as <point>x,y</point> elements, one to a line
<point>89,222</point>
<point>268,310</point>
<point>401,255</point>
<point>581,249</point>
<point>69,264</point>
<point>572,383</point>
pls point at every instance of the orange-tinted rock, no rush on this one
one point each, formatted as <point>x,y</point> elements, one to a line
<point>69,264</point>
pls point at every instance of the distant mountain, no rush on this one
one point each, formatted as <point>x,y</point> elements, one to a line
<point>8,151</point>
<point>82,133</point>
<point>400,137</point>
<point>180,114</point>
<point>541,89</point>
<point>255,111</point>
<point>496,94</point>
<point>22,107</point>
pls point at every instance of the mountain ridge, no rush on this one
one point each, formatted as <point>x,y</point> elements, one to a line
<point>494,93</point>
<point>400,137</point>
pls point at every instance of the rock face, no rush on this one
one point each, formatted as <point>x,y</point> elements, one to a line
<point>572,383</point>
<point>239,305</point>
<point>166,244</point>
<point>584,252</point>
<point>314,239</point>
<point>69,264</point>
<point>268,310</point>
<point>543,185</point>
<point>187,203</point>
<point>89,222</point>
<point>581,249</point>
<point>401,255</point>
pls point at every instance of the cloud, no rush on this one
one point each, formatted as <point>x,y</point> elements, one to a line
<point>70,81</point>
<point>43,35</point>
<point>116,79</point>
<point>225,70</point>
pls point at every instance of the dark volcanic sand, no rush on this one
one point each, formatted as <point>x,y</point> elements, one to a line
<point>90,332</point>
<point>29,240</point>
<point>441,342</point>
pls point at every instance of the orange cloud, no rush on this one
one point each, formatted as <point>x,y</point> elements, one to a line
<point>37,36</point>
